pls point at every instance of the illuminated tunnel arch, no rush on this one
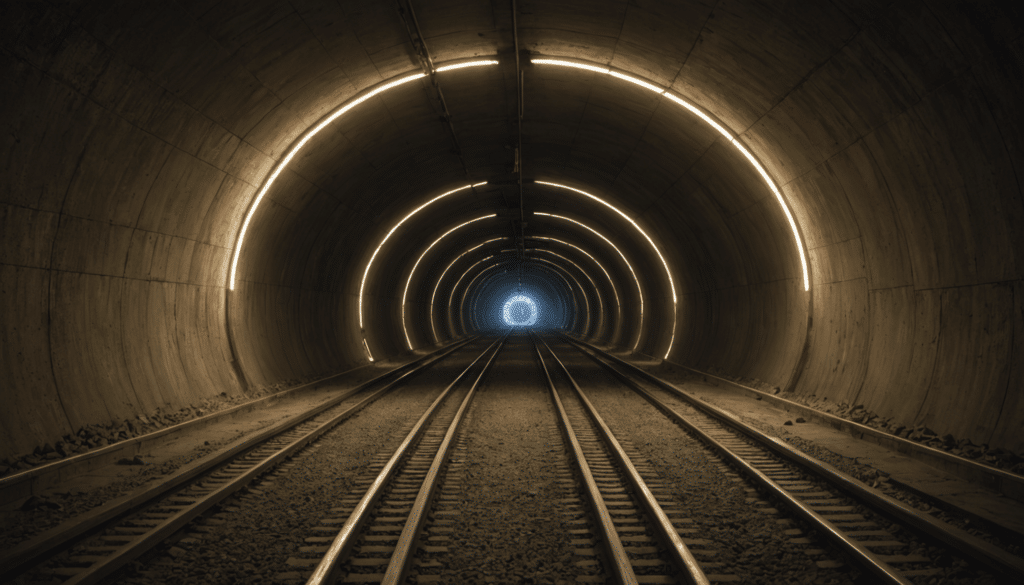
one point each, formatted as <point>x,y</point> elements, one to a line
<point>412,271</point>
<point>440,278</point>
<point>593,286</point>
<point>401,80</point>
<point>471,295</point>
<point>139,144</point>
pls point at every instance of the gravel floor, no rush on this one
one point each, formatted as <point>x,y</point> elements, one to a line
<point>250,539</point>
<point>751,544</point>
<point>27,519</point>
<point>510,529</point>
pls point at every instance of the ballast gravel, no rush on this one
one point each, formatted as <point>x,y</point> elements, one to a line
<point>252,536</point>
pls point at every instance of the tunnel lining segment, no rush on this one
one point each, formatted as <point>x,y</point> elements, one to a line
<point>412,272</point>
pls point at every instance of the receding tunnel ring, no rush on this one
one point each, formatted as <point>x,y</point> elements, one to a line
<point>563,63</point>
<point>519,311</point>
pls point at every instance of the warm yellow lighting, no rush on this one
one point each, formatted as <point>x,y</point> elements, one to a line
<point>464,65</point>
<point>440,278</point>
<point>636,81</point>
<point>451,295</point>
<point>728,136</point>
<point>617,250</point>
<point>782,202</point>
<point>362,284</point>
<point>408,281</point>
<point>668,273</point>
<point>295,149</point>
<point>572,297</point>
<point>693,109</point>
<point>562,63</point>
<point>366,346</point>
<point>462,303</point>
<point>615,291</point>
<point>586,302</point>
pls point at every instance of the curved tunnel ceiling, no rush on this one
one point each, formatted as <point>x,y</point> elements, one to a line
<point>819,197</point>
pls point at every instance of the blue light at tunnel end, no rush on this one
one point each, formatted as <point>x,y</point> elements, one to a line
<point>507,311</point>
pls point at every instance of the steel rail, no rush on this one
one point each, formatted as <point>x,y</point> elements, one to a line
<point>613,544</point>
<point>681,555</point>
<point>65,535</point>
<point>923,524</point>
<point>104,568</point>
<point>401,558</point>
<point>341,546</point>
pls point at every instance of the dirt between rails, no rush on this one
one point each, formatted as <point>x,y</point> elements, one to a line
<point>511,529</point>
<point>251,536</point>
<point>751,544</point>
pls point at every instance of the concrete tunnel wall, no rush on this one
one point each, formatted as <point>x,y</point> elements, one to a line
<point>137,136</point>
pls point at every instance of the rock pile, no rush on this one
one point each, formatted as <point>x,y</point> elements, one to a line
<point>96,436</point>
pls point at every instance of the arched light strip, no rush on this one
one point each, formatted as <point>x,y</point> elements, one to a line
<point>440,278</point>
<point>615,291</point>
<point>572,297</point>
<point>586,301</point>
<point>326,121</point>
<point>600,301</point>
<point>295,149</point>
<point>408,281</point>
<point>362,285</point>
<point>614,247</point>
<point>721,130</point>
<point>462,303</point>
<point>671,283</point>
<point>451,295</point>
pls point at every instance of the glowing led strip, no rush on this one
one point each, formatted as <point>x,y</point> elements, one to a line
<point>618,251</point>
<point>462,303</point>
<point>600,301</point>
<point>341,111</point>
<point>586,301</point>
<point>440,278</point>
<point>408,281</point>
<point>451,295</point>
<point>295,149</point>
<point>728,135</point>
<point>668,273</point>
<point>615,291</point>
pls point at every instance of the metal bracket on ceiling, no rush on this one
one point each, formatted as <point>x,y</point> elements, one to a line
<point>412,27</point>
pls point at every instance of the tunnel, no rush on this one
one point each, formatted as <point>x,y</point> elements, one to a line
<point>225,199</point>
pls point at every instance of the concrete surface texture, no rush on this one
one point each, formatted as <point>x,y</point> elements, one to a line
<point>137,135</point>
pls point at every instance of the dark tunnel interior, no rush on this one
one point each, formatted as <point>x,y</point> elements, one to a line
<point>202,198</point>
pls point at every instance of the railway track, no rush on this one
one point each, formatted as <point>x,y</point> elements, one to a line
<point>883,538</point>
<point>624,521</point>
<point>639,525</point>
<point>91,548</point>
<point>380,530</point>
